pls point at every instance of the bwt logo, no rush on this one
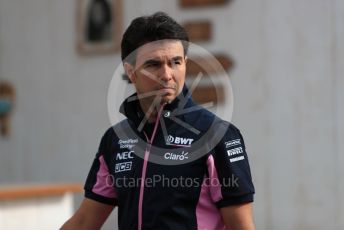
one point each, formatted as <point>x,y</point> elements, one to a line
<point>178,141</point>
<point>125,155</point>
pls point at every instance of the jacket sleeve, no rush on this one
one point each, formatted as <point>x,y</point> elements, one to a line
<point>99,185</point>
<point>229,171</point>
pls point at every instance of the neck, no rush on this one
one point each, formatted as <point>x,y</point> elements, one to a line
<point>150,110</point>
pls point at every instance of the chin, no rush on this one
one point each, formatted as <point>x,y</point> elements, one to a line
<point>168,98</point>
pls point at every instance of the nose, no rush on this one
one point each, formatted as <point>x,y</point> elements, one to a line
<point>166,73</point>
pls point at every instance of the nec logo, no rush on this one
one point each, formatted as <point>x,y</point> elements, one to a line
<point>179,141</point>
<point>125,155</point>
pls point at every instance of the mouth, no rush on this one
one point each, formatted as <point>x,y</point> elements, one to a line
<point>167,90</point>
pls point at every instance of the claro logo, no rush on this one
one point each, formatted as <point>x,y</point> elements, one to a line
<point>179,141</point>
<point>176,157</point>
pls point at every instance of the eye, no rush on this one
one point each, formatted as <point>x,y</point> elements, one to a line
<point>176,62</point>
<point>152,64</point>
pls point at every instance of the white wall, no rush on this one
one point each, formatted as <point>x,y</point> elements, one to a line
<point>36,213</point>
<point>287,84</point>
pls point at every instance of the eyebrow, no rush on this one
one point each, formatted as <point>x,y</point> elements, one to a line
<point>177,58</point>
<point>152,61</point>
<point>158,61</point>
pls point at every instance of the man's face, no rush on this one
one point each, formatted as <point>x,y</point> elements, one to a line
<point>159,70</point>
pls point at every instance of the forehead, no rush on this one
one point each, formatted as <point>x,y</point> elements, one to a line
<point>159,50</point>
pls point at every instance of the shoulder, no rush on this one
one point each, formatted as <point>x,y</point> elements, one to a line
<point>111,134</point>
<point>231,135</point>
<point>232,130</point>
<point>113,130</point>
<point>207,121</point>
<point>200,118</point>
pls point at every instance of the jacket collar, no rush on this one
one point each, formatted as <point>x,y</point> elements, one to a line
<point>132,110</point>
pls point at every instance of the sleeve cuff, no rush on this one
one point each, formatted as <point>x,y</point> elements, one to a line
<point>248,198</point>
<point>105,200</point>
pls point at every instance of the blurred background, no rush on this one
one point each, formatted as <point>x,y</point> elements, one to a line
<point>287,81</point>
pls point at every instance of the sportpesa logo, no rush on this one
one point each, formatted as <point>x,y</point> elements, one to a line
<point>179,141</point>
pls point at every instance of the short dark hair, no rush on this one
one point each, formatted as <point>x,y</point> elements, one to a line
<point>145,29</point>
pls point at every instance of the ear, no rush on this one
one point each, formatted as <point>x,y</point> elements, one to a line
<point>129,70</point>
<point>185,59</point>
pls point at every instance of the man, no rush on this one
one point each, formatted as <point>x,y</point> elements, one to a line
<point>167,166</point>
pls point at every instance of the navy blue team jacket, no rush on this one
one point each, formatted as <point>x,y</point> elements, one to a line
<point>173,174</point>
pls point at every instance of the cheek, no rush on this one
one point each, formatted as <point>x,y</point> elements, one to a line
<point>180,77</point>
<point>145,82</point>
<point>148,81</point>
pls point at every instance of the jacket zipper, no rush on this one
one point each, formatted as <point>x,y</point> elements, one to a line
<point>144,168</point>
